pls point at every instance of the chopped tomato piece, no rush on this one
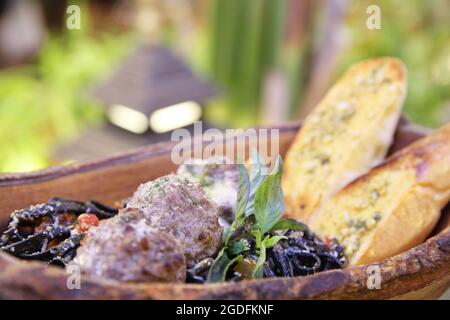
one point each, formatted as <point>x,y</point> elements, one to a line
<point>87,220</point>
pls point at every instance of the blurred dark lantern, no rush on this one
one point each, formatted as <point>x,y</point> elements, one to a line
<point>154,85</point>
<point>152,92</point>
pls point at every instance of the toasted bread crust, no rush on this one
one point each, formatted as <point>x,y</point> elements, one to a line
<point>348,133</point>
<point>415,186</point>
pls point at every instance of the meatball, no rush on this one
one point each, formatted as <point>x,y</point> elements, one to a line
<point>127,248</point>
<point>179,205</point>
<point>219,180</point>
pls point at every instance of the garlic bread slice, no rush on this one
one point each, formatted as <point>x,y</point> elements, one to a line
<point>395,206</point>
<point>348,133</point>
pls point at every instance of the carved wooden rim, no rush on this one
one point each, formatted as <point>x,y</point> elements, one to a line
<point>426,265</point>
<point>161,148</point>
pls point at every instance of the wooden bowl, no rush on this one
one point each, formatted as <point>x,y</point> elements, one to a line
<point>421,272</point>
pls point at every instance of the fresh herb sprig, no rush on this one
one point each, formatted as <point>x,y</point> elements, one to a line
<point>260,206</point>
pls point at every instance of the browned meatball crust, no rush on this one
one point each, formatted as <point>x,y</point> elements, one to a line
<point>179,205</point>
<point>127,248</point>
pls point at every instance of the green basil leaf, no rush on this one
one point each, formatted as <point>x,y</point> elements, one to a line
<point>238,247</point>
<point>243,191</point>
<point>258,165</point>
<point>242,200</point>
<point>290,224</point>
<point>258,237</point>
<point>216,271</point>
<point>269,242</point>
<point>269,200</point>
<point>220,266</point>
<point>258,176</point>
<point>258,273</point>
<point>228,234</point>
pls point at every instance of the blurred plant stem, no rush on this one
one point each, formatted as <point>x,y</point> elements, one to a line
<point>310,43</point>
<point>245,42</point>
<point>254,42</point>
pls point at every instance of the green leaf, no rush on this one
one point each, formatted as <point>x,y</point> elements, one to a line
<point>220,266</point>
<point>243,191</point>
<point>269,200</point>
<point>228,234</point>
<point>290,224</point>
<point>238,247</point>
<point>258,175</point>
<point>269,242</point>
<point>258,237</point>
<point>258,166</point>
<point>242,200</point>
<point>259,268</point>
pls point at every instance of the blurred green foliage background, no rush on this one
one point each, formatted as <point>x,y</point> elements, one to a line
<point>418,32</point>
<point>32,121</point>
<point>237,44</point>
